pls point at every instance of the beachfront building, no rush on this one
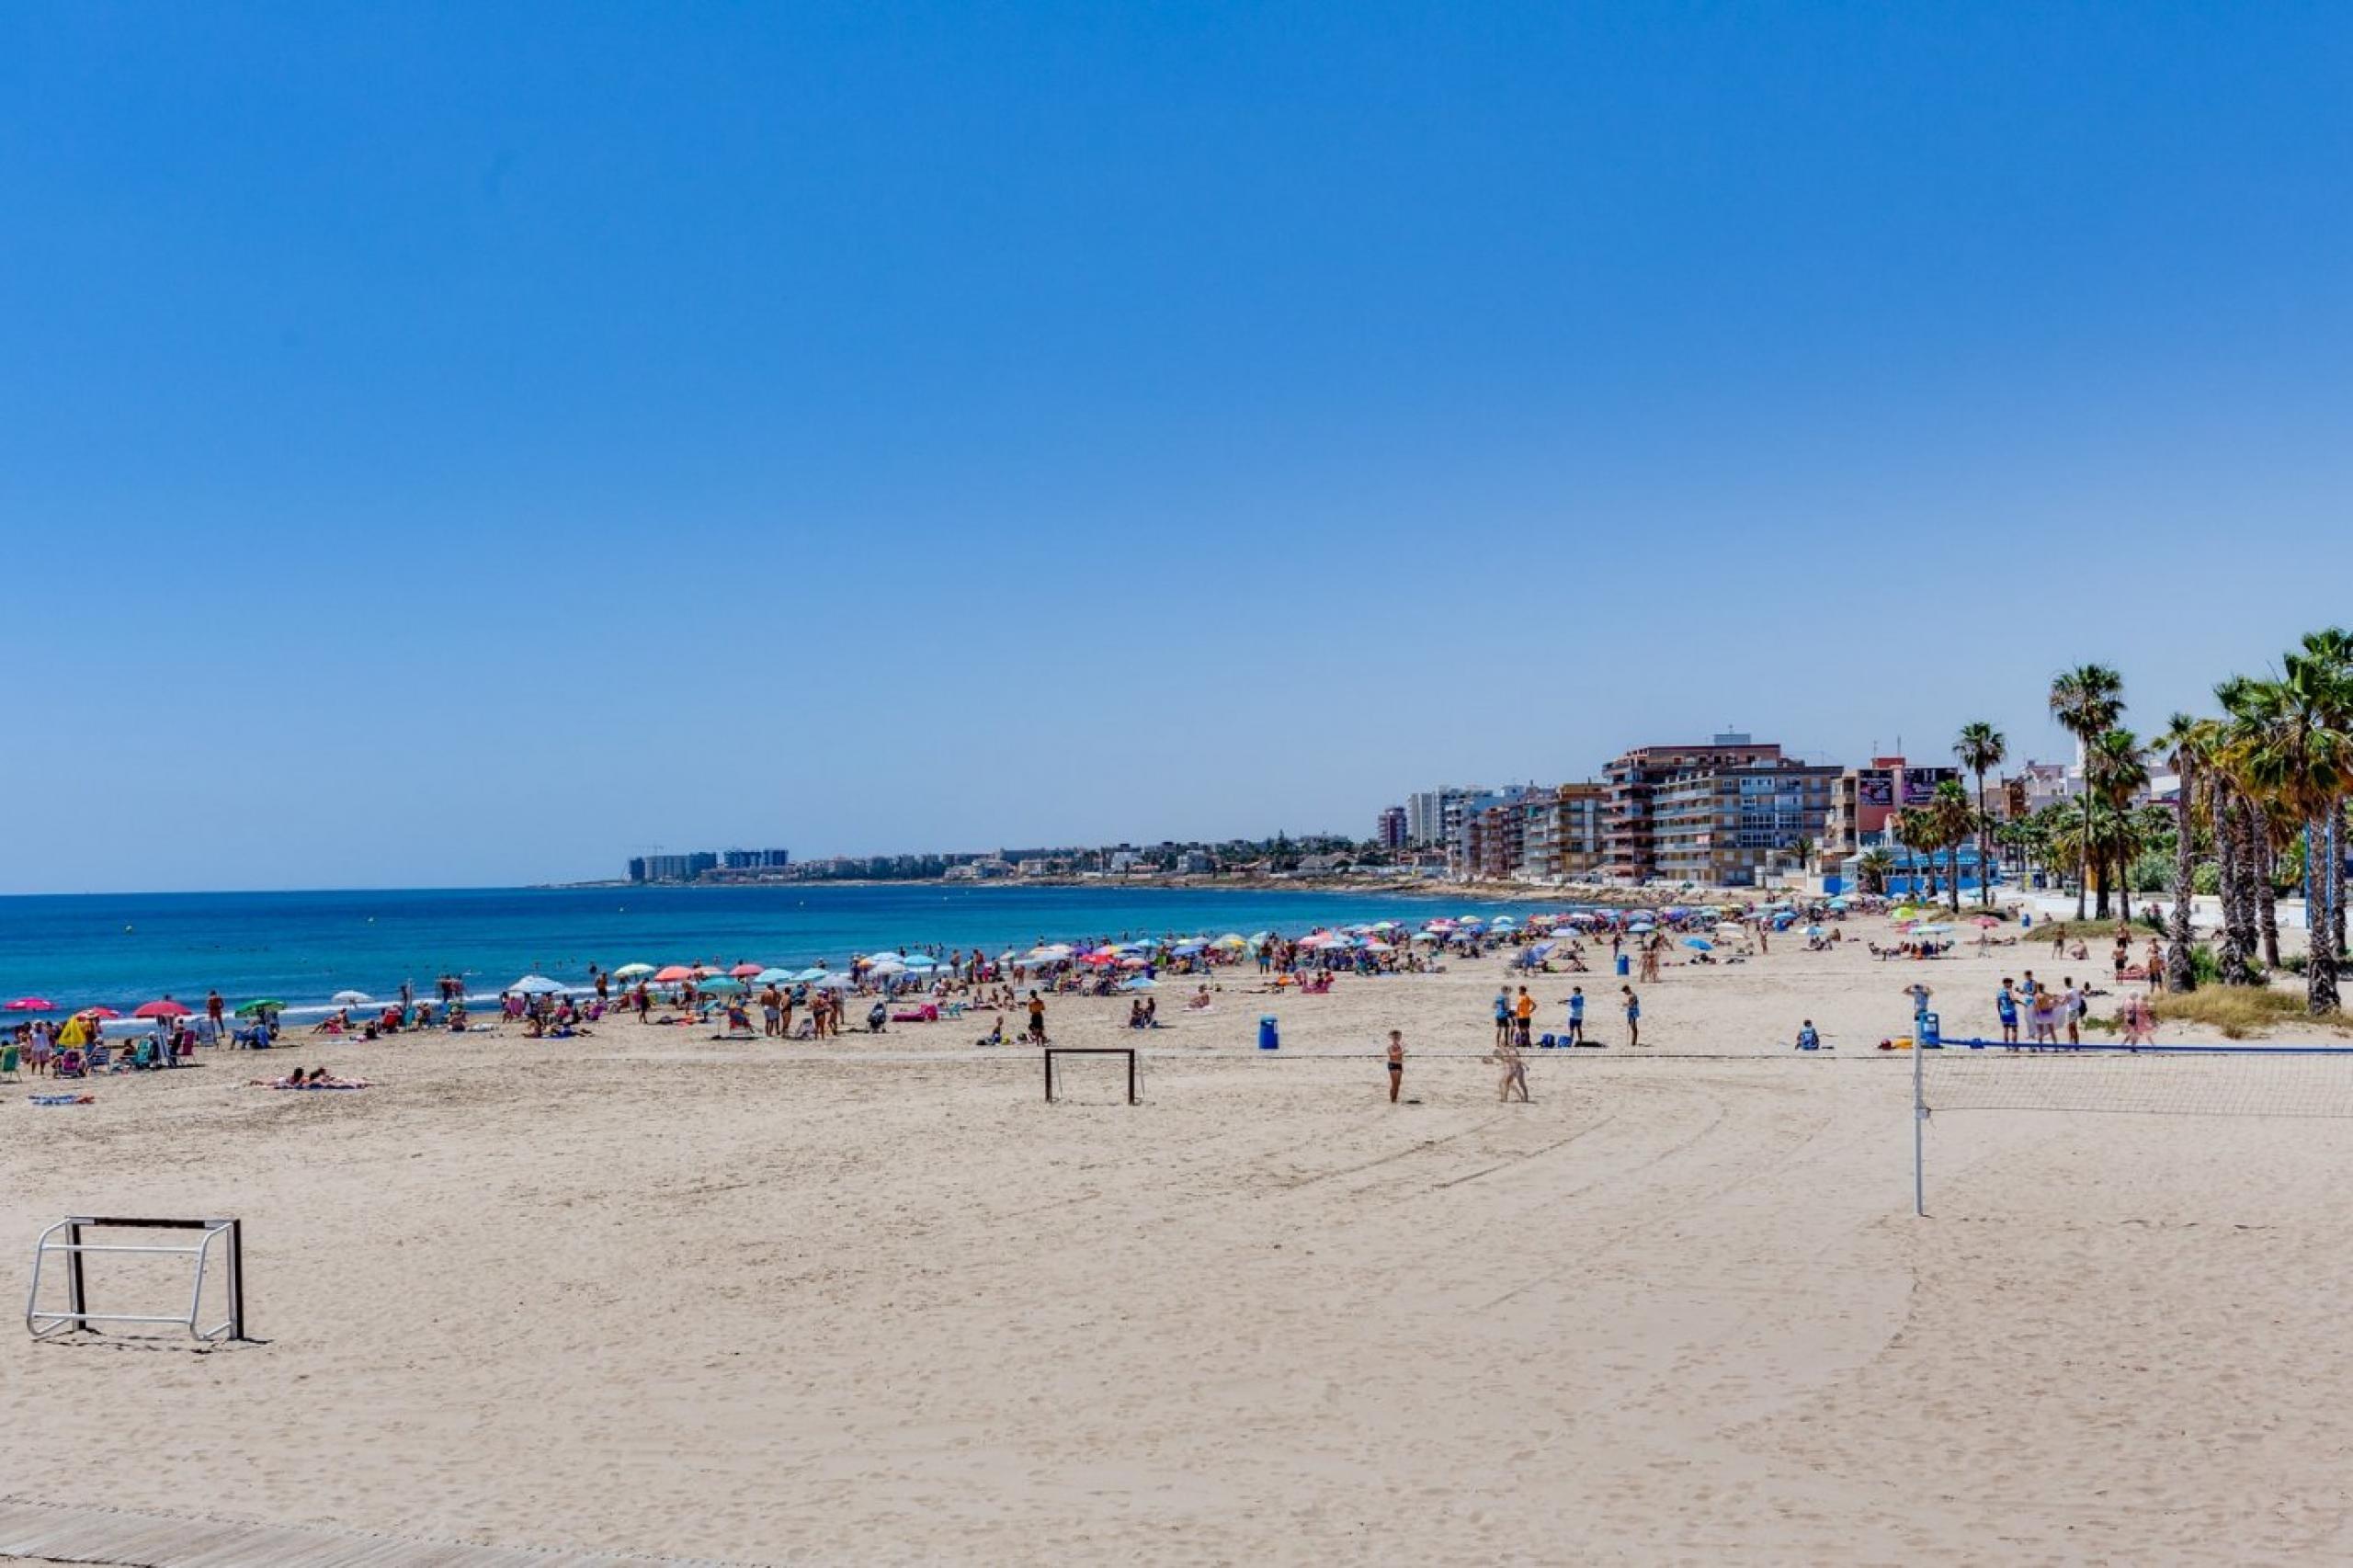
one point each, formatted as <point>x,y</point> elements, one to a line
<point>1389,829</point>
<point>1561,833</point>
<point>1864,801</point>
<point>1434,816</point>
<point>1716,814</point>
<point>1474,848</point>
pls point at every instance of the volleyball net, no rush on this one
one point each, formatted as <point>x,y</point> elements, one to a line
<point>2102,1078</point>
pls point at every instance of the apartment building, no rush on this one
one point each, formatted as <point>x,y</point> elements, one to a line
<point>1715,814</point>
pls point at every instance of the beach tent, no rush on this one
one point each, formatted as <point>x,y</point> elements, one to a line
<point>536,986</point>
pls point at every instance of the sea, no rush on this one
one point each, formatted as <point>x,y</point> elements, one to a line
<point>119,950</point>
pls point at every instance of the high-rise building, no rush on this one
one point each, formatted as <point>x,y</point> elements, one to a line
<point>1389,831</point>
<point>1715,814</point>
<point>1560,838</point>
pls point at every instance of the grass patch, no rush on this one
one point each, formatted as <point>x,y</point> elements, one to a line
<point>2241,1011</point>
<point>2091,933</point>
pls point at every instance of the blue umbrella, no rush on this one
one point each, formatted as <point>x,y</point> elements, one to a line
<point>1702,943</point>
<point>1139,984</point>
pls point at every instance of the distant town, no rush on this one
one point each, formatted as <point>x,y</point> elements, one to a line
<point>1730,812</point>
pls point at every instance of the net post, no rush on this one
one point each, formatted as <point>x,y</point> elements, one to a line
<point>1047,1058</point>
<point>1919,1127</point>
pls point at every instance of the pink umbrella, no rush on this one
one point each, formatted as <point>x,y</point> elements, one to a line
<point>29,1005</point>
<point>745,970</point>
<point>164,1007</point>
<point>97,1013</point>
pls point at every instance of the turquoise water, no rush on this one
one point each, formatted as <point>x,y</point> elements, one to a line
<point>303,947</point>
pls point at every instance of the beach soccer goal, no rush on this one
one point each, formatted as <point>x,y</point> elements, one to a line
<point>217,1255</point>
<point>1053,1077</point>
<point>1963,1076</point>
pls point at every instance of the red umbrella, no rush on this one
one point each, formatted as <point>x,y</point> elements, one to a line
<point>162,1008</point>
<point>673,974</point>
<point>97,1013</point>
<point>745,970</point>
<point>29,1005</point>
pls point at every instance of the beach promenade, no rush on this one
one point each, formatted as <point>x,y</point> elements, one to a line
<point>873,1300</point>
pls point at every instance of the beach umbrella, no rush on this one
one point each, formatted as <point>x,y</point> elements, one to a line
<point>1503,920</point>
<point>1140,984</point>
<point>1134,962</point>
<point>162,1007</point>
<point>1186,950</point>
<point>834,982</point>
<point>341,999</point>
<point>1984,920</point>
<point>1813,930</point>
<point>672,973</point>
<point>1841,901</point>
<point>1702,943</point>
<point>745,970</point>
<point>29,1005</point>
<point>97,1013</point>
<point>886,966</point>
<point>260,1005</point>
<point>707,969</point>
<point>631,970</point>
<point>1231,941</point>
<point>809,975</point>
<point>918,961</point>
<point>1640,928</point>
<point>722,985</point>
<point>536,986</point>
<point>773,976</point>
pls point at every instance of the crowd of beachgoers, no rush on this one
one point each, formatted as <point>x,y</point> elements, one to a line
<point>927,983</point>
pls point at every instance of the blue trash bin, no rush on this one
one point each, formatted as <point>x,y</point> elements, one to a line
<point>1269,1036</point>
<point>1625,965</point>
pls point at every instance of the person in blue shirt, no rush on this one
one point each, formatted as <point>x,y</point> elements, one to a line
<point>1809,1038</point>
<point>1503,1016</point>
<point>2006,1004</point>
<point>1576,1015</point>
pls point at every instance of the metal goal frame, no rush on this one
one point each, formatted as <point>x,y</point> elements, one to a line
<point>1050,1051</point>
<point>227,1234</point>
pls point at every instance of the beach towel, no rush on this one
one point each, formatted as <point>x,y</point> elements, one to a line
<point>306,1087</point>
<point>64,1100</point>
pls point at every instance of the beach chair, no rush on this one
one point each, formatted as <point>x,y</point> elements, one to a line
<point>8,1056</point>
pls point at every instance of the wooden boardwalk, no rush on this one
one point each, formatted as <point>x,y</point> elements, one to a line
<point>80,1533</point>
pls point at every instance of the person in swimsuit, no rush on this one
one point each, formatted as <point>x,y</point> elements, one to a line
<point>1515,1066</point>
<point>1396,1062</point>
<point>1633,1016</point>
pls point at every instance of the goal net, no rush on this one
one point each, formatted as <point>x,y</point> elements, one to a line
<point>1092,1074</point>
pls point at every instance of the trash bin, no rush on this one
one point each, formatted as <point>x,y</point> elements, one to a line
<point>1269,1038</point>
<point>1625,965</point>
<point>2025,920</point>
<point>1931,1032</point>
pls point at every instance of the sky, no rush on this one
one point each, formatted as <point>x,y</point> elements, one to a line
<point>455,444</point>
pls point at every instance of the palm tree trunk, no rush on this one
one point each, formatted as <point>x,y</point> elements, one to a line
<point>1952,872</point>
<point>2180,973</point>
<point>2320,963</point>
<point>2123,886</point>
<point>1985,846</point>
<point>2083,866</point>
<point>2230,846</point>
<point>2264,862</point>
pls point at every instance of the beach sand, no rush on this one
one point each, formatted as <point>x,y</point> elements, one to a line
<point>874,1301</point>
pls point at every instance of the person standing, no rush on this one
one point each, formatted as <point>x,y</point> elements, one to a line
<point>212,1014</point>
<point>1633,1015</point>
<point>2071,1000</point>
<point>1396,1063</point>
<point>1524,1017</point>
<point>2006,1003</point>
<point>1503,1016</point>
<point>1576,1015</point>
<point>1036,1019</point>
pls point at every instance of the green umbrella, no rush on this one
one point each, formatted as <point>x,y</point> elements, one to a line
<point>267,1004</point>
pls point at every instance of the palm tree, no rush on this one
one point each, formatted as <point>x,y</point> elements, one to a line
<point>1915,828</point>
<point>1873,866</point>
<point>1954,819</point>
<point>2300,756</point>
<point>2185,744</point>
<point>2115,766</point>
<point>1981,748</point>
<point>2086,700</point>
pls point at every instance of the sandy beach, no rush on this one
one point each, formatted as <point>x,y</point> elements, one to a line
<point>874,1301</point>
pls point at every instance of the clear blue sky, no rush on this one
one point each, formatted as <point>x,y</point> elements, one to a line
<point>469,444</point>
